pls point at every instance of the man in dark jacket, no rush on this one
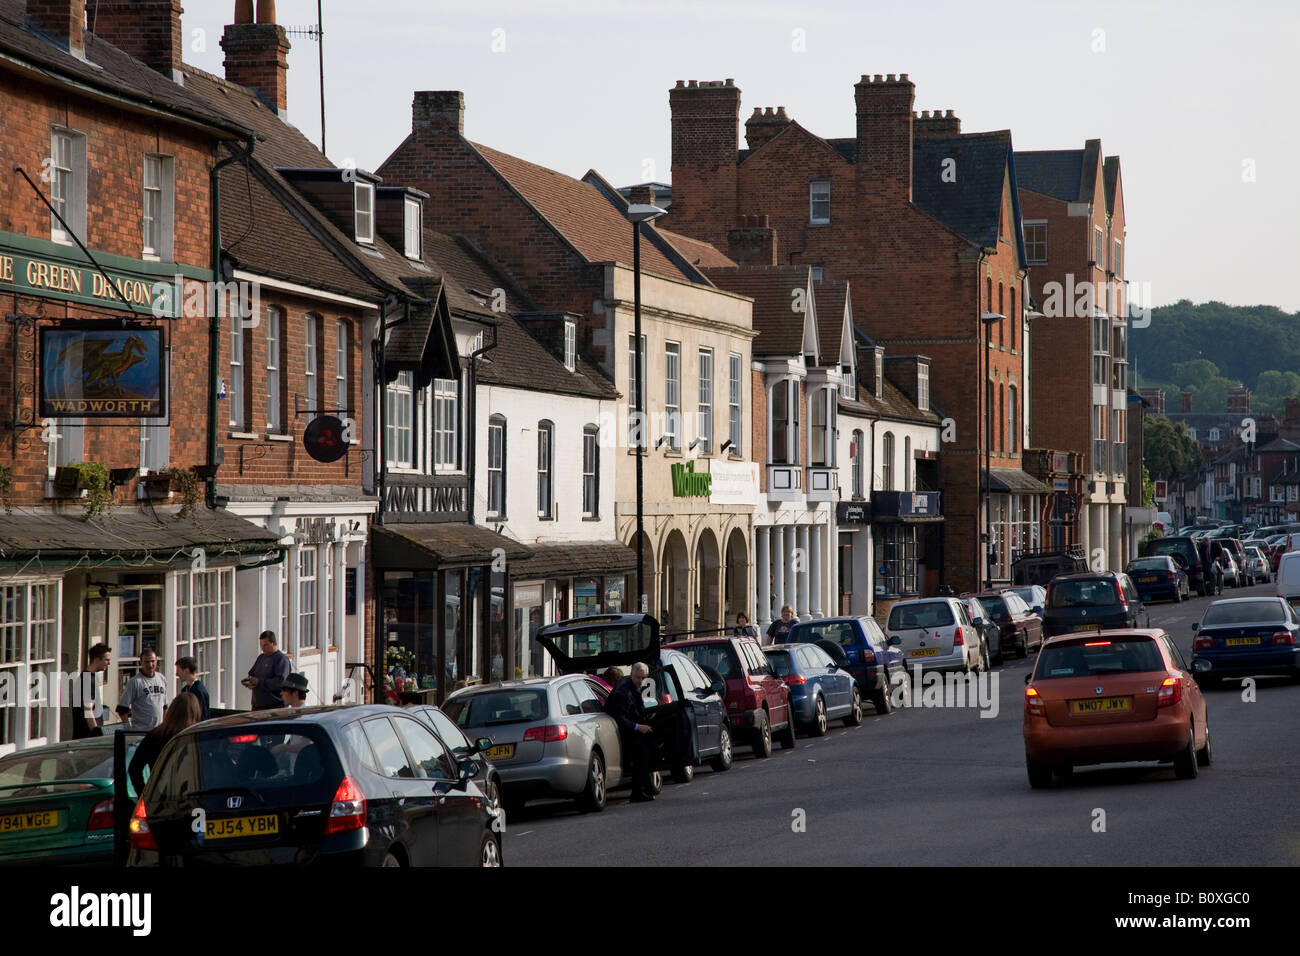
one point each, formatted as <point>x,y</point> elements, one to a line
<point>625,706</point>
<point>187,675</point>
<point>266,676</point>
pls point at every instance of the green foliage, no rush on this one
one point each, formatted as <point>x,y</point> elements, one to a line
<point>187,483</point>
<point>7,488</point>
<point>1148,488</point>
<point>92,477</point>
<point>1170,451</point>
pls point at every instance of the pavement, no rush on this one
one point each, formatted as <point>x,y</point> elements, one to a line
<point>947,787</point>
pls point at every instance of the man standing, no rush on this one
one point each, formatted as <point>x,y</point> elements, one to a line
<point>624,705</point>
<point>294,690</point>
<point>187,673</point>
<point>267,675</point>
<point>88,708</point>
<point>777,631</point>
<point>145,696</point>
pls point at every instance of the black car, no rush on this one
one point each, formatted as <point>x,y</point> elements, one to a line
<point>1090,602</point>
<point>462,749</point>
<point>1195,561</point>
<point>356,785</point>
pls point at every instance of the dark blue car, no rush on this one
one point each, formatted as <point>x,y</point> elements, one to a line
<point>820,691</point>
<point>869,657</point>
<point>1159,576</point>
<point>1244,637</point>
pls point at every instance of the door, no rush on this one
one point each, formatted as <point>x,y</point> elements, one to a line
<point>458,818</point>
<point>675,733</point>
<point>410,810</point>
<point>706,705</point>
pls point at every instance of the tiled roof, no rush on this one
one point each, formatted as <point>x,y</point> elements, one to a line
<point>283,144</point>
<point>413,544</point>
<point>893,404</point>
<point>105,68</point>
<point>701,254</point>
<point>1053,172</point>
<point>1110,174</point>
<point>578,211</point>
<point>779,327</point>
<point>585,557</point>
<point>832,297</point>
<point>1279,444</point>
<point>971,204</point>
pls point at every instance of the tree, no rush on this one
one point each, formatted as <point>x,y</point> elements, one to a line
<point>1170,451</point>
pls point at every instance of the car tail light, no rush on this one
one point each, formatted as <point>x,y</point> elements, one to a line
<point>1123,601</point>
<point>1204,643</point>
<point>1283,637</point>
<point>1170,576</point>
<point>141,836</point>
<point>242,738</point>
<point>751,698</point>
<point>868,657</point>
<point>547,733</point>
<point>1033,703</point>
<point>1097,644</point>
<point>101,818</point>
<point>348,811</point>
<point>793,679</point>
<point>1170,693</point>
<point>957,639</point>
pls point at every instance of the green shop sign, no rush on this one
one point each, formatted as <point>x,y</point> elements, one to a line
<point>689,484</point>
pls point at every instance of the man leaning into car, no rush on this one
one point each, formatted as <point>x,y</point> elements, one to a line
<point>625,706</point>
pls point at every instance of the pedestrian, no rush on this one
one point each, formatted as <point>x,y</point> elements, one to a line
<point>266,676</point>
<point>743,628</point>
<point>187,673</point>
<point>611,676</point>
<point>1218,574</point>
<point>294,690</point>
<point>88,709</point>
<point>779,629</point>
<point>625,706</point>
<point>182,712</point>
<point>141,706</point>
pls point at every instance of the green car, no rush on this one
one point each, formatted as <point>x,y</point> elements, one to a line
<point>56,803</point>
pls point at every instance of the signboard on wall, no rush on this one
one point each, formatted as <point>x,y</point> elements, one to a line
<point>733,482</point>
<point>1162,490</point>
<point>92,370</point>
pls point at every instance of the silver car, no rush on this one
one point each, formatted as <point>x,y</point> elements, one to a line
<point>936,633</point>
<point>550,737</point>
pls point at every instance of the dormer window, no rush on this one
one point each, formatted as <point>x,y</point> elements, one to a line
<point>923,387</point>
<point>848,385</point>
<point>570,344</point>
<point>412,227</point>
<point>365,212</point>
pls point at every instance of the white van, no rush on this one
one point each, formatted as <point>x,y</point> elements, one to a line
<point>1288,578</point>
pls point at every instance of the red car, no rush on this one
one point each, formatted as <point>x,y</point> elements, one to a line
<point>1112,696</point>
<point>758,701</point>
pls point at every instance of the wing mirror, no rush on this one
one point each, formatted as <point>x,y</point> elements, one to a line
<point>719,688</point>
<point>977,621</point>
<point>1196,627</point>
<point>482,745</point>
<point>896,641</point>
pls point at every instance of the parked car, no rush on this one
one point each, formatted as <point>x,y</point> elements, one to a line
<point>868,656</point>
<point>757,701</point>
<point>1089,602</point>
<point>56,803</point>
<point>361,785</point>
<point>1020,629</point>
<point>1245,577</point>
<point>1159,576</point>
<point>1197,564</point>
<point>1288,578</point>
<point>486,777</point>
<point>1243,637</point>
<point>684,703</point>
<point>937,634</point>
<point>1260,568</point>
<point>1115,696</point>
<point>990,633</point>
<point>1035,595</point>
<point>820,690</point>
<point>1039,567</point>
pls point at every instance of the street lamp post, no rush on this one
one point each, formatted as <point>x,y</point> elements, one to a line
<point>987,320</point>
<point>639,213</point>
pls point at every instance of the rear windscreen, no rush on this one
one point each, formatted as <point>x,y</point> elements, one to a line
<point>924,614</point>
<point>22,770</point>
<point>1173,546</point>
<point>1149,564</point>
<point>843,633</point>
<point>614,640</point>
<point>1099,658</point>
<point>1251,612</point>
<point>495,708</point>
<point>1090,592</point>
<point>266,759</point>
<point>993,607</point>
<point>781,662</point>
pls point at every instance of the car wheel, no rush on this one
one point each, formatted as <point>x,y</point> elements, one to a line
<point>1063,771</point>
<point>592,799</point>
<point>786,737</point>
<point>1040,774</point>
<point>820,722</point>
<point>854,717</point>
<point>1185,764</point>
<point>684,774</point>
<point>1022,646</point>
<point>492,792</point>
<point>984,658</point>
<point>881,700</point>
<point>392,859</point>
<point>656,783</point>
<point>762,744</point>
<point>490,855</point>
<point>723,760</point>
<point>1203,755</point>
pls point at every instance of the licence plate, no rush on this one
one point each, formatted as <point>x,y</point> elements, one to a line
<point>267,824</point>
<point>1240,641</point>
<point>1088,627</point>
<point>501,752</point>
<point>38,820</point>
<point>1100,705</point>
<point>924,652</point>
<point>1150,580</point>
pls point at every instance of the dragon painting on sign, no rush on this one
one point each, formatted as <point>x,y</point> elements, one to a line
<point>102,367</point>
<point>100,371</point>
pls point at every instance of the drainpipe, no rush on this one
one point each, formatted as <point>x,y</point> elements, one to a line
<point>472,419</point>
<point>214,324</point>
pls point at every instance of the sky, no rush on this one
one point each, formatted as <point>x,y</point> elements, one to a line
<point>1197,99</point>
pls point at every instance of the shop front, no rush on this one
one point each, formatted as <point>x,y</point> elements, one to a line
<point>854,592</point>
<point>906,541</point>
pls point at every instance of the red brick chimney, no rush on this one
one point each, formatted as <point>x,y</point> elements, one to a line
<point>705,142</point>
<point>940,125</point>
<point>438,111</point>
<point>149,30</point>
<point>1186,402</point>
<point>1239,400</point>
<point>752,242</point>
<point>641,195</point>
<point>885,135</point>
<point>63,21</point>
<point>257,53</point>
<point>762,126</point>
<point>1292,415</point>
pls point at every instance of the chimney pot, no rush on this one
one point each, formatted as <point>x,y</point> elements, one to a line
<point>243,11</point>
<point>265,11</point>
<point>257,55</point>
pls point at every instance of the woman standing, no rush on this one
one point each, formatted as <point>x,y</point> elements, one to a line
<point>182,712</point>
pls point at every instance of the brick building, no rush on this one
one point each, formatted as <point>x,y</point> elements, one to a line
<point>923,221</point>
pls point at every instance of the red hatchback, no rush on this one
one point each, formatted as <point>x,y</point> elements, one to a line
<point>1109,697</point>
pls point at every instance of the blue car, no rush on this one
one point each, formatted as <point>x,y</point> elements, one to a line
<point>1243,637</point>
<point>820,691</point>
<point>869,656</point>
<point>1159,576</point>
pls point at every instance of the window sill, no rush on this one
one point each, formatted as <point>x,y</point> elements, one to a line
<point>249,436</point>
<point>147,256</point>
<point>496,517</point>
<point>670,453</point>
<point>591,517</point>
<point>60,496</point>
<point>270,436</point>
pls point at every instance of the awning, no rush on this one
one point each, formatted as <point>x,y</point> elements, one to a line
<point>411,546</point>
<point>145,538</point>
<point>1014,481</point>
<point>574,560</point>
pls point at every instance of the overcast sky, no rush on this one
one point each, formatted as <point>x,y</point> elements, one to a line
<point>1197,99</point>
